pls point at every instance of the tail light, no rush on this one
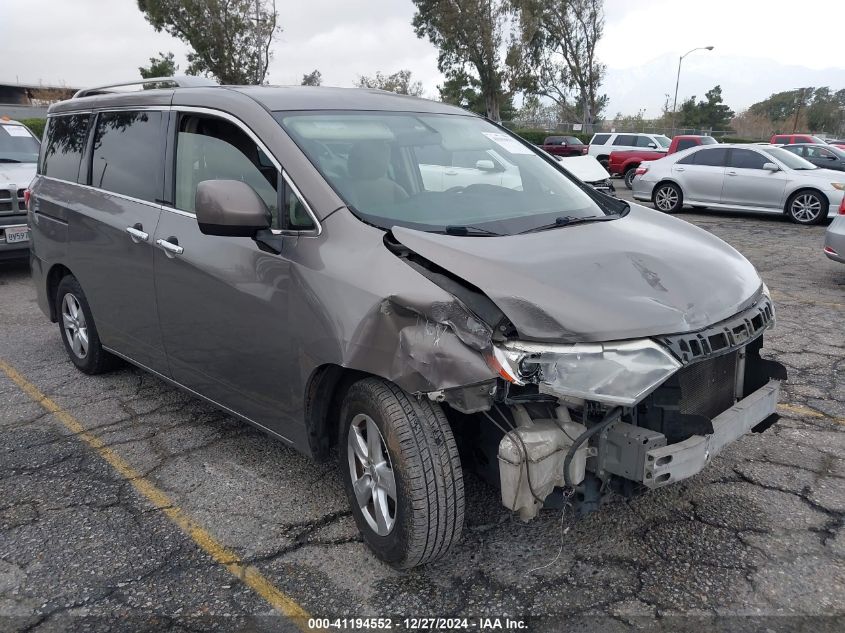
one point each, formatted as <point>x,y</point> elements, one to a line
<point>27,196</point>
<point>641,170</point>
<point>585,149</point>
<point>842,206</point>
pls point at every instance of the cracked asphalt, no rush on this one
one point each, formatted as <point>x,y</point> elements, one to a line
<point>756,542</point>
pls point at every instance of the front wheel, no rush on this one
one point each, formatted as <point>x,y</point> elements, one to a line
<point>401,472</point>
<point>807,207</point>
<point>668,198</point>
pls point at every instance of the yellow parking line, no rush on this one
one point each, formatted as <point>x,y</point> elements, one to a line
<point>800,409</point>
<point>158,498</point>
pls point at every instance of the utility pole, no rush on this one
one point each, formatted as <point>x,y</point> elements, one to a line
<point>798,109</point>
<point>678,81</point>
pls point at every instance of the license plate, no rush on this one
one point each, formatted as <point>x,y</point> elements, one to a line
<point>15,234</point>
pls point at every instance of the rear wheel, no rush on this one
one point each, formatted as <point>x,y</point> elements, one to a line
<point>79,333</point>
<point>668,198</point>
<point>807,207</point>
<point>629,177</point>
<point>402,473</point>
<point>604,161</point>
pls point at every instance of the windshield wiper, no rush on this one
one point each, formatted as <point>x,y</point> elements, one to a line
<point>569,220</point>
<point>469,230</point>
<point>8,160</point>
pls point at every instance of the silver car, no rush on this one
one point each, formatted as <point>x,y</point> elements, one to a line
<point>758,178</point>
<point>834,239</point>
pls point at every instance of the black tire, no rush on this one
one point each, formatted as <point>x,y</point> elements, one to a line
<point>604,161</point>
<point>95,359</point>
<point>629,177</point>
<point>807,207</point>
<point>668,197</point>
<point>423,458</point>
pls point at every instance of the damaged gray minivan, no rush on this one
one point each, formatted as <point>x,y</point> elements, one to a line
<point>403,284</point>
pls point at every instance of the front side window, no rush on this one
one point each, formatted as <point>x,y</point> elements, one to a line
<point>128,154</point>
<point>209,148</point>
<point>747,159</point>
<point>64,144</point>
<point>437,172</point>
<point>819,152</point>
<point>795,149</point>
<point>17,145</point>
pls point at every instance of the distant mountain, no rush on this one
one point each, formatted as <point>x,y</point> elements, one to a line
<point>744,81</point>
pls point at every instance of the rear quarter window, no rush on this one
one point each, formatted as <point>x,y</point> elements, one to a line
<point>599,139</point>
<point>64,145</point>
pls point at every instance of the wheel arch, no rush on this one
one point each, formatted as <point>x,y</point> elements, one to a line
<point>806,189</point>
<point>54,276</point>
<point>324,394</point>
<point>665,181</point>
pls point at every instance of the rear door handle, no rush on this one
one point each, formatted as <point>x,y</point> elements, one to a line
<point>731,173</point>
<point>170,246</point>
<point>137,233</point>
<point>679,169</point>
<point>451,173</point>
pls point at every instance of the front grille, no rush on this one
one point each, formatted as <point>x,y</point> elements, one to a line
<point>708,387</point>
<point>8,204</point>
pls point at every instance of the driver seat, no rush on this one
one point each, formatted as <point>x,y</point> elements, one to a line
<point>368,184</point>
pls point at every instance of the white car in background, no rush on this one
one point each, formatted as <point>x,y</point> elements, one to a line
<point>603,143</point>
<point>590,171</point>
<point>18,161</point>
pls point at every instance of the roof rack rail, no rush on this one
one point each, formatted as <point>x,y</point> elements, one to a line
<point>181,81</point>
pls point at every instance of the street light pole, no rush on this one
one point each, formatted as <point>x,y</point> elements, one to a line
<point>678,81</point>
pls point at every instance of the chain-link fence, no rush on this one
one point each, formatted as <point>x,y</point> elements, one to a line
<point>643,126</point>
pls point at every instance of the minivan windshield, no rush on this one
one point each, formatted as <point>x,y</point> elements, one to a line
<point>17,145</point>
<point>441,173</point>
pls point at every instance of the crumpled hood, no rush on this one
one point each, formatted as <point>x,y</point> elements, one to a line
<point>18,174</point>
<point>646,274</point>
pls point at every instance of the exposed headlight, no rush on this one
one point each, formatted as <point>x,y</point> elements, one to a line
<point>617,373</point>
<point>838,185</point>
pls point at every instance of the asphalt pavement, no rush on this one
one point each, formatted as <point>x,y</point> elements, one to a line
<point>126,504</point>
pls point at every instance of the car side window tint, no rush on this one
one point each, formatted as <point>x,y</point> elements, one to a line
<point>600,139</point>
<point>64,145</point>
<point>644,141</point>
<point>781,139</point>
<point>711,157</point>
<point>685,143</point>
<point>747,159</point>
<point>795,150</point>
<point>687,160</point>
<point>128,154</point>
<point>628,140</point>
<point>209,148</point>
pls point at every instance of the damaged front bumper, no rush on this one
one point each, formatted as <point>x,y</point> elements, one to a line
<point>668,464</point>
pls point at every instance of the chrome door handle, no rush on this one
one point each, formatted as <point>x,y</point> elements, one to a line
<point>170,249</point>
<point>730,173</point>
<point>679,169</point>
<point>451,173</point>
<point>137,234</point>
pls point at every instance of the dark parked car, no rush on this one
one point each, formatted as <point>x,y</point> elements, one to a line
<point>825,156</point>
<point>564,146</point>
<point>278,252</point>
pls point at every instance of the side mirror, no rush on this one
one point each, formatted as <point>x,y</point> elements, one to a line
<point>652,145</point>
<point>770,167</point>
<point>485,165</point>
<point>230,208</point>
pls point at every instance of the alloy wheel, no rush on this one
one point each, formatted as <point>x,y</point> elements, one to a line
<point>666,198</point>
<point>372,475</point>
<point>806,208</point>
<point>75,326</point>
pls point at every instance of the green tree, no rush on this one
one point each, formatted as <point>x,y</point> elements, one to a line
<point>710,114</point>
<point>161,66</point>
<point>399,82</point>
<point>561,36</point>
<point>314,78</point>
<point>826,111</point>
<point>230,38</point>
<point>463,91</point>
<point>478,37</point>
